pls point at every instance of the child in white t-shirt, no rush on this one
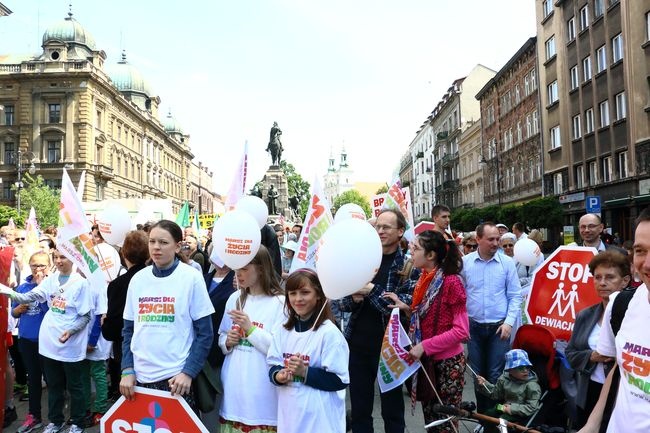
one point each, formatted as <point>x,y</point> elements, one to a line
<point>245,335</point>
<point>309,361</point>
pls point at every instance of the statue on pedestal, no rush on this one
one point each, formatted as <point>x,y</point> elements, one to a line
<point>275,145</point>
<point>272,196</point>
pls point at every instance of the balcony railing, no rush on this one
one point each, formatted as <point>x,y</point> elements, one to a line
<point>450,184</point>
<point>104,172</point>
<point>449,158</point>
<point>441,136</point>
<point>419,155</point>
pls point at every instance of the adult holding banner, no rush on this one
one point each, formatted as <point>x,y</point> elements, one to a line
<point>167,326</point>
<point>439,324</point>
<point>365,329</point>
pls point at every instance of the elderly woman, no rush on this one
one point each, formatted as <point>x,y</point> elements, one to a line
<point>611,272</point>
<point>469,242</point>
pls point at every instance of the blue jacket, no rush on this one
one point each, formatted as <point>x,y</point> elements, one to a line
<point>30,321</point>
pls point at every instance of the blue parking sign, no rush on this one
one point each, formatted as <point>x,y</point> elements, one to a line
<point>592,203</point>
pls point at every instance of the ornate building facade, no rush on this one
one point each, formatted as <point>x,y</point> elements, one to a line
<point>67,108</point>
<point>338,179</point>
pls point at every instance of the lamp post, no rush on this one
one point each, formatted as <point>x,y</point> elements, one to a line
<point>29,156</point>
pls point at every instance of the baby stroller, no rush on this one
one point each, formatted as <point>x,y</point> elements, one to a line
<point>540,344</point>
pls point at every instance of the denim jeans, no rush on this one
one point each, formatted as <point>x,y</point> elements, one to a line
<point>487,352</point>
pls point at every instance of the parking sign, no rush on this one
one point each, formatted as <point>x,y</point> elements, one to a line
<point>592,203</point>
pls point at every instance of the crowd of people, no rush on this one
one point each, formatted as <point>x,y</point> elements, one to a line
<point>285,354</point>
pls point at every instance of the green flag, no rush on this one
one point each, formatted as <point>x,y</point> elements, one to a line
<point>183,217</point>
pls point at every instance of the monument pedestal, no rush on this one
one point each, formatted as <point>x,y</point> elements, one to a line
<point>276,177</point>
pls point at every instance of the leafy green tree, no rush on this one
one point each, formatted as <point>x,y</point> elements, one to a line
<point>352,196</point>
<point>42,198</point>
<point>298,187</point>
<point>542,212</point>
<point>382,190</point>
<point>8,212</point>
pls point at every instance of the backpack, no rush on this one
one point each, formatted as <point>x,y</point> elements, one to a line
<point>619,309</point>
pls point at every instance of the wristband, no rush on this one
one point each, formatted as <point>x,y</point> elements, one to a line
<point>250,331</point>
<point>500,407</point>
<point>128,372</point>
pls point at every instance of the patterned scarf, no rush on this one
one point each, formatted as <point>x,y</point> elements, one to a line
<point>431,282</point>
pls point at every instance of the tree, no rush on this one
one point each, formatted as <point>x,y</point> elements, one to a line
<point>352,196</point>
<point>382,190</point>
<point>298,187</point>
<point>42,198</point>
<point>8,212</point>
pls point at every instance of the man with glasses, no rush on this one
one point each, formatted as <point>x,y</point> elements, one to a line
<point>365,329</point>
<point>591,227</point>
<point>493,304</point>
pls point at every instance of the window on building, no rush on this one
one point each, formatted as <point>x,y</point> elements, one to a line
<point>620,106</point>
<point>550,48</point>
<point>556,141</point>
<point>617,48</point>
<point>604,113</point>
<point>622,165</point>
<point>517,94</point>
<point>580,176</point>
<point>53,183</point>
<point>527,85</point>
<point>647,26</point>
<point>490,114</point>
<point>54,113</point>
<point>53,151</point>
<point>9,115</point>
<point>98,120</point>
<point>571,29</point>
<point>552,93</point>
<point>593,173</point>
<point>584,17</point>
<point>547,7</point>
<point>533,79</point>
<point>577,129</point>
<point>535,122</point>
<point>7,192</point>
<point>589,121</point>
<point>519,133</point>
<point>599,8</point>
<point>529,126</point>
<point>557,183</point>
<point>607,169</point>
<point>10,152</point>
<point>601,59</point>
<point>575,81</point>
<point>586,69</point>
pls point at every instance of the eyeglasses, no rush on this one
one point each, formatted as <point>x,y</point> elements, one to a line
<point>508,245</point>
<point>38,266</point>
<point>415,247</point>
<point>384,228</point>
<point>471,246</point>
<point>589,227</point>
<point>19,239</point>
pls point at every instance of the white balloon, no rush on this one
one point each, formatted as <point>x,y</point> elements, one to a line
<point>349,210</point>
<point>236,238</point>
<point>348,258</point>
<point>114,223</point>
<point>254,206</point>
<point>109,261</point>
<point>527,252</point>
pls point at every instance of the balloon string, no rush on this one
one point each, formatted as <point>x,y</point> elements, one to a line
<point>453,425</point>
<point>312,327</point>
<point>101,257</point>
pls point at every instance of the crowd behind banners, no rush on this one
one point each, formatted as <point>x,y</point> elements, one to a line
<point>285,355</point>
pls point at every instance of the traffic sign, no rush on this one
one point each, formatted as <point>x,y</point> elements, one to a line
<point>151,411</point>
<point>562,287</point>
<point>592,204</point>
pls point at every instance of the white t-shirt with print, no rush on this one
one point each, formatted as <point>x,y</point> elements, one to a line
<point>100,306</point>
<point>66,303</point>
<point>302,408</point>
<point>249,396</point>
<point>631,347</point>
<point>163,310</point>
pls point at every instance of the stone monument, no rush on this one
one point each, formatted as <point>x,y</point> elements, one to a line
<point>275,188</point>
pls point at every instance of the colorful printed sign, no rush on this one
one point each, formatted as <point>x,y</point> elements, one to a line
<point>562,286</point>
<point>151,411</point>
<point>396,198</point>
<point>395,363</point>
<point>317,221</point>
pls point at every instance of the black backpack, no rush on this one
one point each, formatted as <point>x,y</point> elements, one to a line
<point>619,308</point>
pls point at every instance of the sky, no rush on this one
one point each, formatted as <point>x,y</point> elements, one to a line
<point>356,74</point>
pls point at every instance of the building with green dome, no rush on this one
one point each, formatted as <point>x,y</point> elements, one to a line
<point>67,107</point>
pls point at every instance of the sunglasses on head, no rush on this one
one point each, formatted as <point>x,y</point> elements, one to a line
<point>472,246</point>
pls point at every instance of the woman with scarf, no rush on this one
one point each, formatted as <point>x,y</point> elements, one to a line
<point>439,324</point>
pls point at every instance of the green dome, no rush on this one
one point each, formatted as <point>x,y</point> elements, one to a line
<point>69,30</point>
<point>127,78</point>
<point>171,126</point>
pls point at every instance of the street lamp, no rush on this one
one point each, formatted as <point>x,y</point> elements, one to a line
<point>29,157</point>
<point>494,167</point>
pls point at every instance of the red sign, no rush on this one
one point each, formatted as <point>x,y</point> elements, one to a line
<point>151,411</point>
<point>423,226</point>
<point>562,287</point>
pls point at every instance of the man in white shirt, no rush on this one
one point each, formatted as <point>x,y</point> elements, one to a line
<point>631,347</point>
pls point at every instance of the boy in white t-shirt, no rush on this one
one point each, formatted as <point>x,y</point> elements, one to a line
<point>631,347</point>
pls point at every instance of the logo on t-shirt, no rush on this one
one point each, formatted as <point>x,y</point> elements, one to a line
<point>58,305</point>
<point>636,367</point>
<point>305,359</point>
<point>156,309</point>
